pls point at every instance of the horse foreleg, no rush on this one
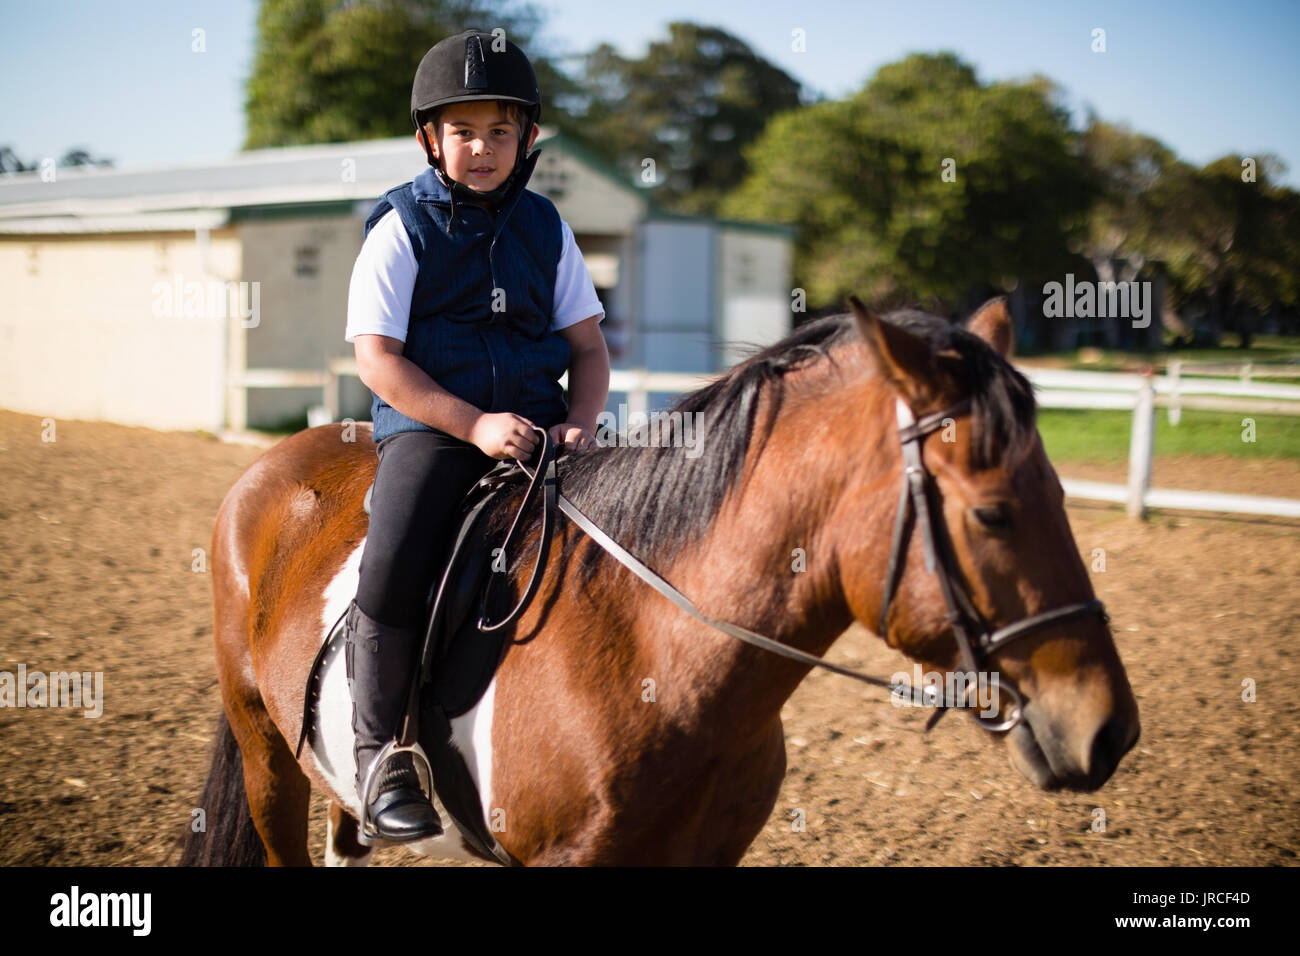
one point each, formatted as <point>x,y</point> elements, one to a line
<point>342,848</point>
<point>747,804</point>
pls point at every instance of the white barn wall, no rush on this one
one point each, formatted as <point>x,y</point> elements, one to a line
<point>303,317</point>
<point>754,284</point>
<point>676,260</point>
<point>587,200</point>
<point>79,337</point>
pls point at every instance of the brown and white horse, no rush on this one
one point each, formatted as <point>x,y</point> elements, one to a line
<point>619,730</point>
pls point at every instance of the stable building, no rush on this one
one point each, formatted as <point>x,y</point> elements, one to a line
<point>213,295</point>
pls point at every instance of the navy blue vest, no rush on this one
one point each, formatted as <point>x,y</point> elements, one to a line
<point>483,300</point>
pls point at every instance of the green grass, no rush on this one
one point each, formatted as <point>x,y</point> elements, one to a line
<point>1264,349</point>
<point>1070,435</point>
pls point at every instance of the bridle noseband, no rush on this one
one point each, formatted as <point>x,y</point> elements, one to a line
<point>916,501</point>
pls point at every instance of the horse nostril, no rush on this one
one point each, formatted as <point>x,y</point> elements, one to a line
<point>1116,738</point>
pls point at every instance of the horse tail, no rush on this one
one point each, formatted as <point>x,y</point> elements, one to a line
<point>223,834</point>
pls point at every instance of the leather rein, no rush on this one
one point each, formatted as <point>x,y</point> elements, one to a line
<point>916,505</point>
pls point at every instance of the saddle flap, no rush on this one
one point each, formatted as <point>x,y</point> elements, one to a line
<point>461,659</point>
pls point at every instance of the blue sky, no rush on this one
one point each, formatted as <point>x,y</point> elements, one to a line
<point>119,76</point>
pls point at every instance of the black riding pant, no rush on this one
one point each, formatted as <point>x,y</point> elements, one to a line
<point>421,479</point>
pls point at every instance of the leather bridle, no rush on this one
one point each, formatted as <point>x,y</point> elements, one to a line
<point>915,501</point>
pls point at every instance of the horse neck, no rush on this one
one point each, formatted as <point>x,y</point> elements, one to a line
<point>770,562</point>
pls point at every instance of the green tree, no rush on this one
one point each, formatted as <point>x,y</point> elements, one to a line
<point>1130,215</point>
<point>1232,240</point>
<point>80,156</point>
<point>1226,240</point>
<point>1129,218</point>
<point>11,162</point>
<point>691,104</point>
<point>326,71</point>
<point>924,185</point>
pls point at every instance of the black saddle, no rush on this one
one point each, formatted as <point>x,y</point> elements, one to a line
<point>462,650</point>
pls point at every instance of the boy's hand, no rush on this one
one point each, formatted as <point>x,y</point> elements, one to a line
<point>571,434</point>
<point>504,435</point>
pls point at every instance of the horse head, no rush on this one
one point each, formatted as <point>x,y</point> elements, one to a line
<point>996,580</point>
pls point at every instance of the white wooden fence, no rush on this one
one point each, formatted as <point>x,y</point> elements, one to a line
<point>636,383</point>
<point>1055,388</point>
<point>1142,394</point>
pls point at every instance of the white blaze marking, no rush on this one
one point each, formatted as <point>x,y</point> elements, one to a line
<point>332,740</point>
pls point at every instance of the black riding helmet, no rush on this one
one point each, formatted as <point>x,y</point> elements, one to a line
<point>475,66</point>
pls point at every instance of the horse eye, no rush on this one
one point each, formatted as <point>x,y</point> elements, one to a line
<point>996,517</point>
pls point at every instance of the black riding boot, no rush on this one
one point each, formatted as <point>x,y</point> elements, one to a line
<point>380,666</point>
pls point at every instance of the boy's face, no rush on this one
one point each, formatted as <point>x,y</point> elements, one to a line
<point>477,143</point>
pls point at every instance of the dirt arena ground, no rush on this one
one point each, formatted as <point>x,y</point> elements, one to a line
<point>97,538</point>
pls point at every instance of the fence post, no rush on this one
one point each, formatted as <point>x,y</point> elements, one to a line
<point>1175,406</point>
<point>638,397</point>
<point>331,396</point>
<point>1141,447</point>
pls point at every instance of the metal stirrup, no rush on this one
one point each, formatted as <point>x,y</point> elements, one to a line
<point>367,835</point>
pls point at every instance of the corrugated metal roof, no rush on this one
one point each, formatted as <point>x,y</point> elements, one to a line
<point>182,221</point>
<point>202,194</point>
<point>290,174</point>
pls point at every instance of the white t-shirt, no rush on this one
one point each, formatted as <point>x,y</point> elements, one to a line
<point>383,280</point>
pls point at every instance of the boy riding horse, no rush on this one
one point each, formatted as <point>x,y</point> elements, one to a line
<point>468,301</point>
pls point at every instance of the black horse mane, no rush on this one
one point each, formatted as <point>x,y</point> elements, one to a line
<point>656,500</point>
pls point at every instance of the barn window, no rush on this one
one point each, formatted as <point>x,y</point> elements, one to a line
<point>306,261</point>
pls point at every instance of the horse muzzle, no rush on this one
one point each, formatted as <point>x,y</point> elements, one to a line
<point>1059,755</point>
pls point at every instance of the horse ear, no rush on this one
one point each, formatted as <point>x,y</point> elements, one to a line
<point>900,356</point>
<point>992,323</point>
